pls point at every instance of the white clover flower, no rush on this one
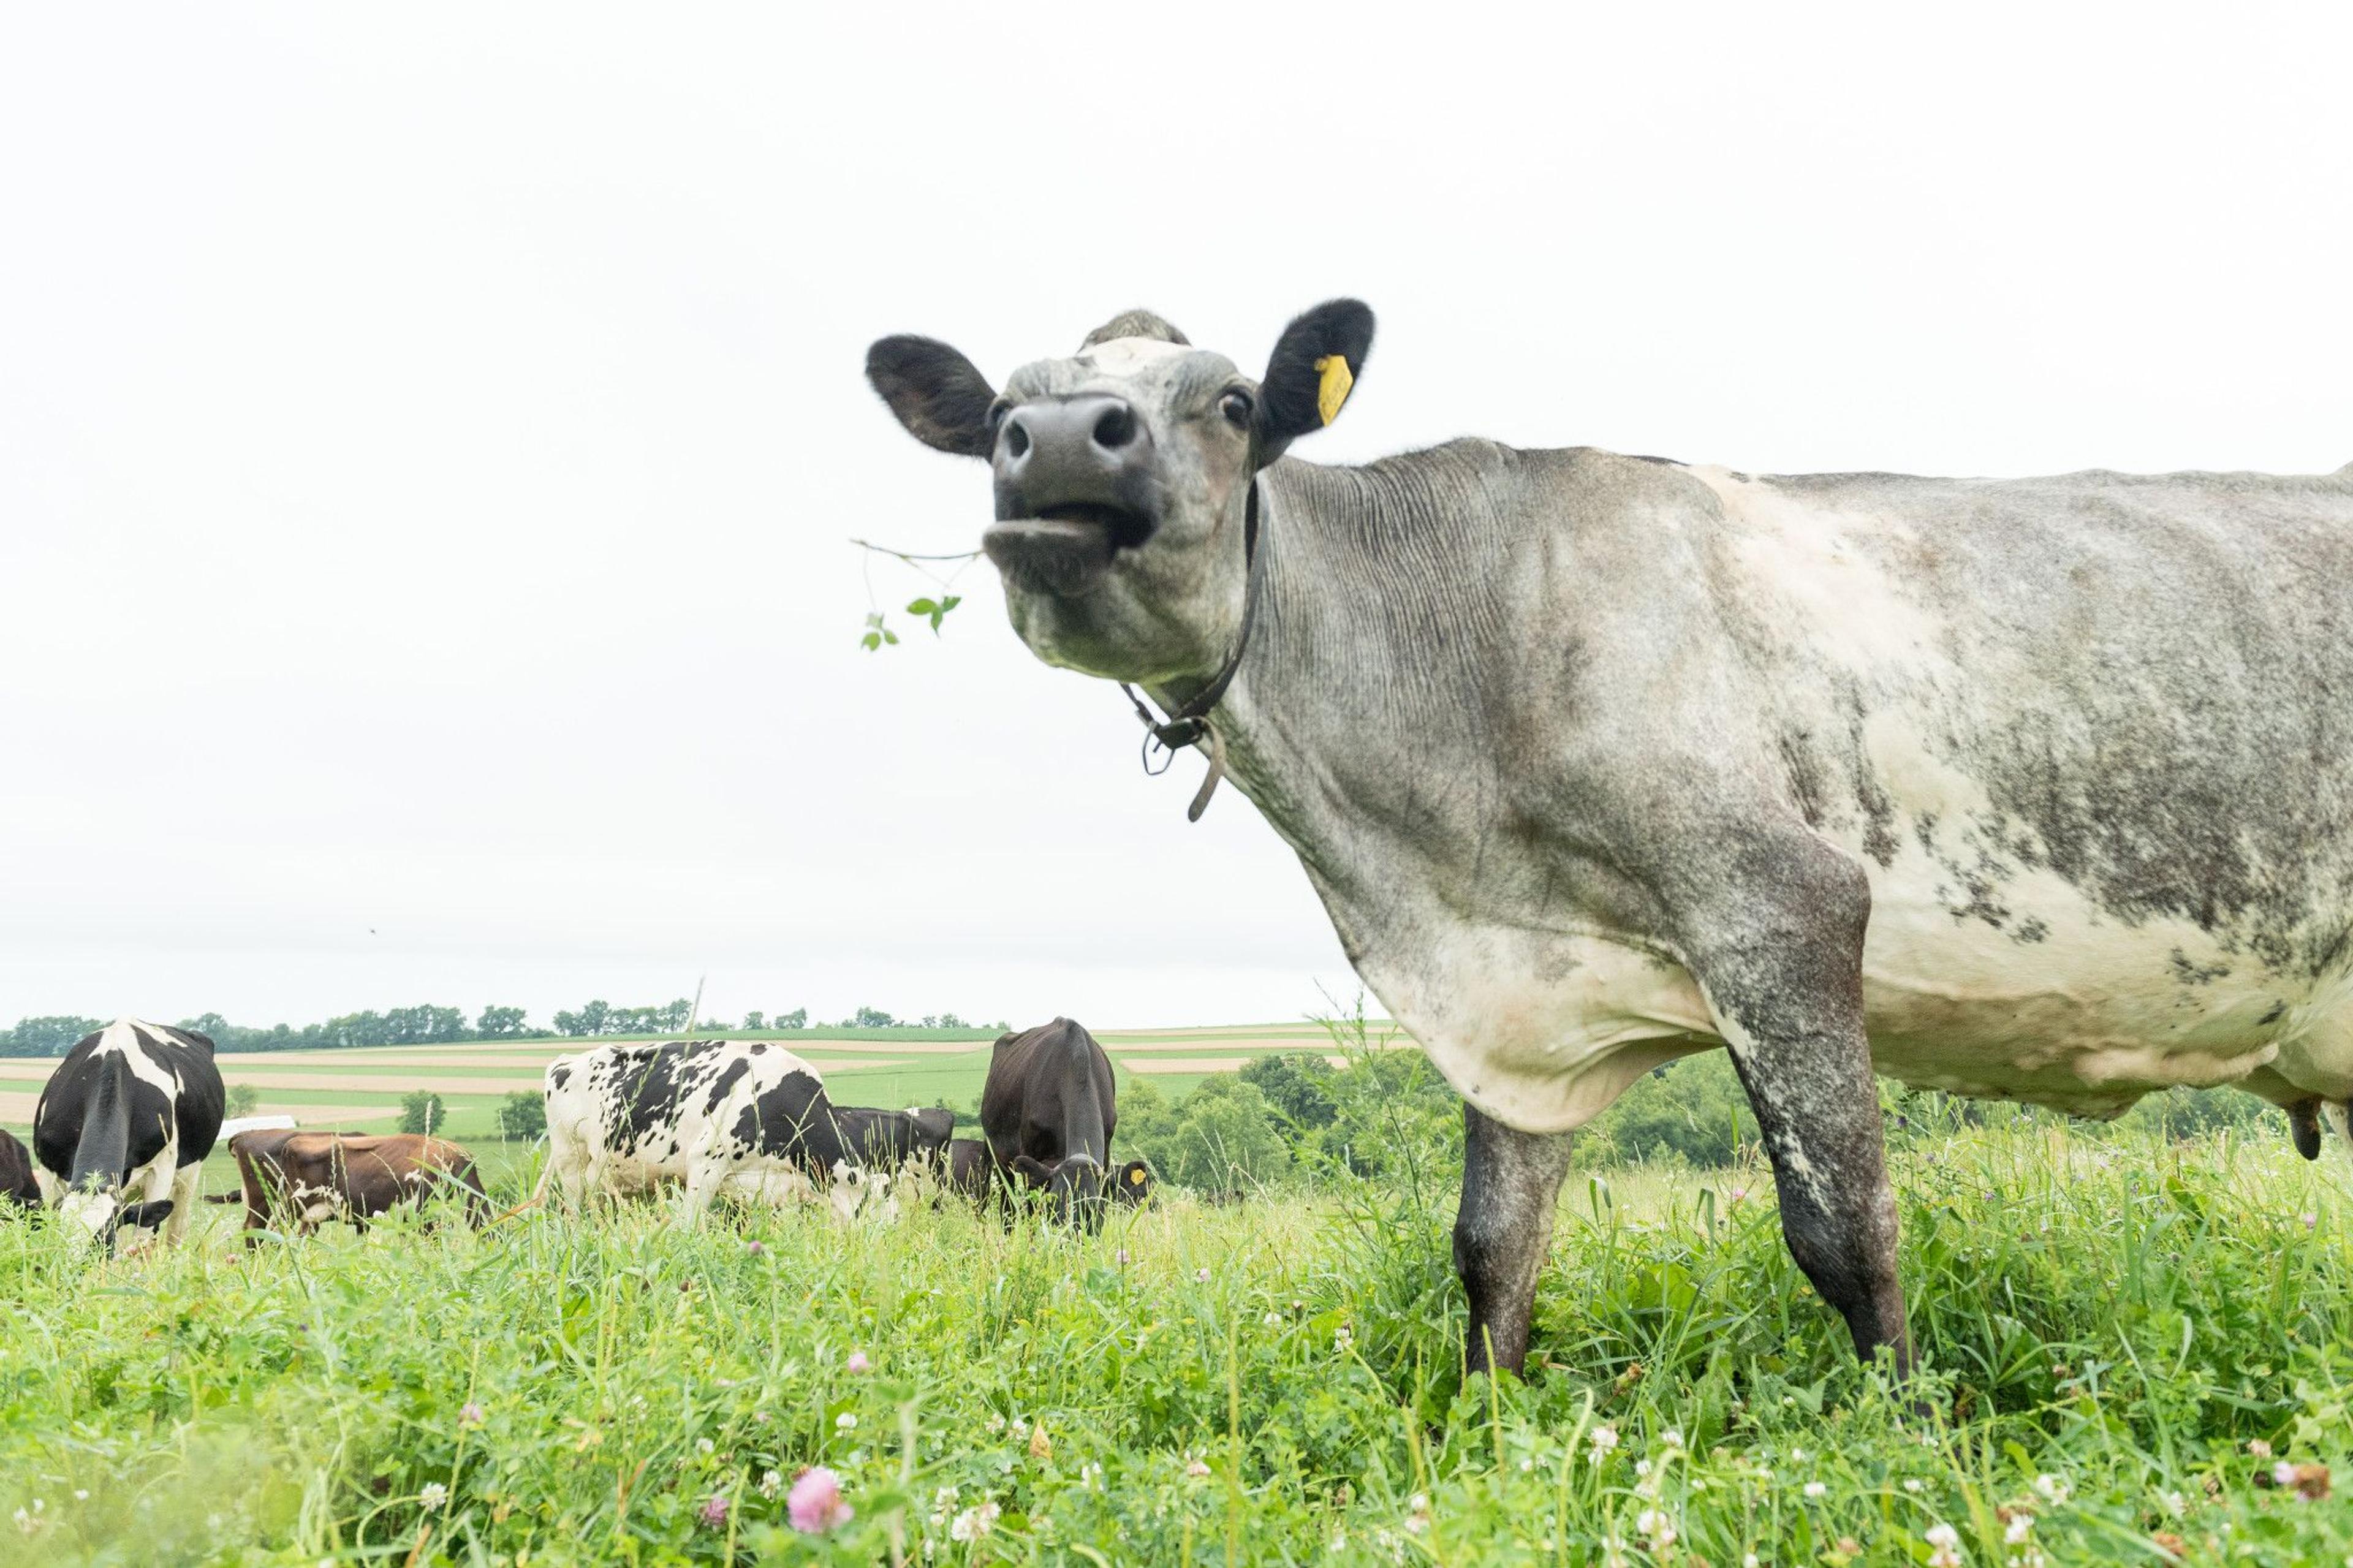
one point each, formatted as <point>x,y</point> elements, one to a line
<point>1658,1530</point>
<point>1749,1560</point>
<point>1911,1484</point>
<point>771,1483</point>
<point>1343,1338</point>
<point>704,1445</point>
<point>845,1422</point>
<point>1603,1439</point>
<point>1272,1320</point>
<point>2176,1504</point>
<point>434,1494</point>
<point>1815,1488</point>
<point>1797,1456</point>
<point>1670,1438</point>
<point>1947,1543</point>
<point>1201,1276</point>
<point>2050,1490</point>
<point>974,1522</point>
<point>2282,1474</point>
<point>1091,1474</point>
<point>2021,1525</point>
<point>1641,1466</point>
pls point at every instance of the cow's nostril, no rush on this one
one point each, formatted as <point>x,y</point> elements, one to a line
<point>1017,438</point>
<point>1116,429</point>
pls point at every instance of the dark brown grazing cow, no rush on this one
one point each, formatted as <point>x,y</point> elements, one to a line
<point>16,1179</point>
<point>1048,1110</point>
<point>314,1177</point>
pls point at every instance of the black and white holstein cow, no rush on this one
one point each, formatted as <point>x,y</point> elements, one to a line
<point>1048,1110</point>
<point>746,1118</point>
<point>2038,789</point>
<point>128,1114</point>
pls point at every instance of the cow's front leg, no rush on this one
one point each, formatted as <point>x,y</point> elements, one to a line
<point>1783,979</point>
<point>1511,1183</point>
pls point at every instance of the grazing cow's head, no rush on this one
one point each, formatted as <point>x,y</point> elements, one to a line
<point>105,1216</point>
<point>1123,475</point>
<point>1074,1187</point>
<point>1132,1183</point>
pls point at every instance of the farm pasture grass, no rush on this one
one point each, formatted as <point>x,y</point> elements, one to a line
<point>1273,1380</point>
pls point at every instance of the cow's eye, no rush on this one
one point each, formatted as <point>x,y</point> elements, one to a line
<point>1235,407</point>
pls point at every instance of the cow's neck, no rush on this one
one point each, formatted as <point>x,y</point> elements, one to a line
<point>1360,709</point>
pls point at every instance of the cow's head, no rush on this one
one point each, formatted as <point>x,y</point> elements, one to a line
<point>1123,474</point>
<point>1072,1187</point>
<point>104,1216</point>
<point>1132,1183</point>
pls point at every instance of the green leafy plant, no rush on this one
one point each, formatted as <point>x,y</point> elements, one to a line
<point>934,610</point>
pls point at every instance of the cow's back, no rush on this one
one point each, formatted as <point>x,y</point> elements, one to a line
<point>1048,1094</point>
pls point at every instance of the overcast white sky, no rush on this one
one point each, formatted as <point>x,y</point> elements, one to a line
<point>429,435</point>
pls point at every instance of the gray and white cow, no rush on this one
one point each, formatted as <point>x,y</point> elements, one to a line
<point>746,1118</point>
<point>2038,789</point>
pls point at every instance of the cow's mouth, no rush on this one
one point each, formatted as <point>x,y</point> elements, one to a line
<point>1066,548</point>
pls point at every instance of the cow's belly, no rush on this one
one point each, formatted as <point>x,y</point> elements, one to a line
<point>2054,1002</point>
<point>2060,1005</point>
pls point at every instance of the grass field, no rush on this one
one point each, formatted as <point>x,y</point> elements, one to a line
<point>2110,1324</point>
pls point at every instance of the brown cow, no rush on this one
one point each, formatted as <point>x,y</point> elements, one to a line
<point>314,1177</point>
<point>16,1179</point>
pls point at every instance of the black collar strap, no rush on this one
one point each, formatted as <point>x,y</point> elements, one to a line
<point>1189,725</point>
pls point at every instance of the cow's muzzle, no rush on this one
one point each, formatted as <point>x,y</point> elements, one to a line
<point>1077,482</point>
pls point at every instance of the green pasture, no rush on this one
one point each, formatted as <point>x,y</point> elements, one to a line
<point>2136,1352</point>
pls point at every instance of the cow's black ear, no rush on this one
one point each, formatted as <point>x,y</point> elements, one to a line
<point>935,392</point>
<point>146,1216</point>
<point>1313,368</point>
<point>1035,1172</point>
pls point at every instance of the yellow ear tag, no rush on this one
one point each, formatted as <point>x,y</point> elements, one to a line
<point>1135,1178</point>
<point>1333,389</point>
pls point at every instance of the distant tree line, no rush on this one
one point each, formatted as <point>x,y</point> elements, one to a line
<point>419,1025</point>
<point>428,1025</point>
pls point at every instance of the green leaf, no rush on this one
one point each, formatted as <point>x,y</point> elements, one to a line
<point>950,601</point>
<point>890,637</point>
<point>922,607</point>
<point>870,641</point>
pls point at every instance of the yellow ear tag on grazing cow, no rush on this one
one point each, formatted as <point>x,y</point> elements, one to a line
<point>1332,391</point>
<point>1135,1178</point>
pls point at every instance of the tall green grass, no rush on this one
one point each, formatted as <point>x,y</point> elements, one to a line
<point>2108,1324</point>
